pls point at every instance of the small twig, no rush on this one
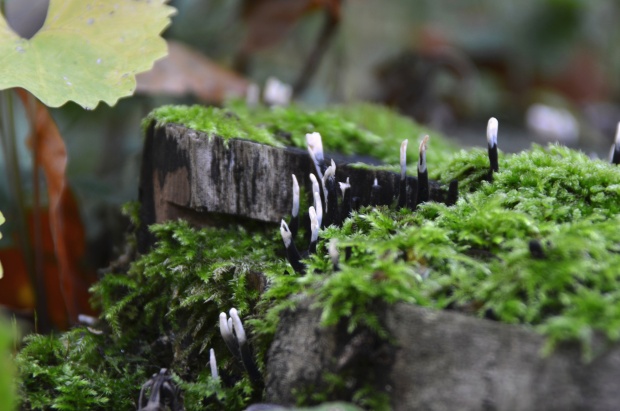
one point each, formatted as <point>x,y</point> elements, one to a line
<point>330,27</point>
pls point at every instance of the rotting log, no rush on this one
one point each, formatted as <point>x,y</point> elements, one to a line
<point>442,360</point>
<point>209,181</point>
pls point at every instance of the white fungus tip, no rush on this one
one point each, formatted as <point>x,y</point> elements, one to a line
<point>224,328</point>
<point>295,210</point>
<point>330,172</point>
<point>213,363</point>
<point>315,146</point>
<point>492,132</point>
<point>238,326</point>
<point>422,159</point>
<point>315,182</point>
<point>403,158</point>
<point>375,183</point>
<point>318,206</point>
<point>344,186</point>
<point>617,140</point>
<point>285,233</point>
<point>314,224</point>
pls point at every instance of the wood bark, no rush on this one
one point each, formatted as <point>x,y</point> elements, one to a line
<point>442,360</point>
<point>211,181</point>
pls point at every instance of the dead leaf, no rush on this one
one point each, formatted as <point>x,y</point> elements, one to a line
<point>186,71</point>
<point>65,224</point>
<point>17,293</point>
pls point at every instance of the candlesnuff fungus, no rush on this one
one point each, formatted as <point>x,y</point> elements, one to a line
<point>375,193</point>
<point>244,349</point>
<point>330,191</point>
<point>292,254</point>
<point>614,156</point>
<point>423,192</point>
<point>315,148</point>
<point>318,207</point>
<point>236,340</point>
<point>294,224</point>
<point>492,145</point>
<point>402,191</point>
<point>226,329</point>
<point>213,362</point>
<point>345,210</point>
<point>314,230</point>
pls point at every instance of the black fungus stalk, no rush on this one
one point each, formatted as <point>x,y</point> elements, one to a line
<point>423,191</point>
<point>294,224</point>
<point>331,196</point>
<point>244,348</point>
<point>453,192</point>
<point>614,157</point>
<point>492,146</point>
<point>402,192</point>
<point>292,254</point>
<point>375,194</point>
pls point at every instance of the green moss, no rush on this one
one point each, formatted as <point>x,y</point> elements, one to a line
<point>358,129</point>
<point>473,256</point>
<point>213,121</point>
<point>162,313</point>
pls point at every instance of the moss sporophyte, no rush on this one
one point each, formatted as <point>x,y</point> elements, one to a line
<point>533,238</point>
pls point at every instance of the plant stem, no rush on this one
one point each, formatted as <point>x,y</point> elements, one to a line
<point>9,146</point>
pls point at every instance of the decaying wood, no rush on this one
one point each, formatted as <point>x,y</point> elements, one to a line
<point>208,181</point>
<point>443,360</point>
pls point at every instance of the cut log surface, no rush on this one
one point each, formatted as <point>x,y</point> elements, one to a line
<point>207,180</point>
<point>448,361</point>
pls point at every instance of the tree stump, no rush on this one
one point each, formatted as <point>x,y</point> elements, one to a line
<point>211,181</point>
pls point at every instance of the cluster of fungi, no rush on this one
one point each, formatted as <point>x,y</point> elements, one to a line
<point>333,203</point>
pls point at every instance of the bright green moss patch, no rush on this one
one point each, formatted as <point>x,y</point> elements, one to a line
<point>358,129</point>
<point>212,121</point>
<point>162,313</point>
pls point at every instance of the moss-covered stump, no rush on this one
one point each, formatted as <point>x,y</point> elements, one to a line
<point>211,180</point>
<point>438,361</point>
<point>535,249</point>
